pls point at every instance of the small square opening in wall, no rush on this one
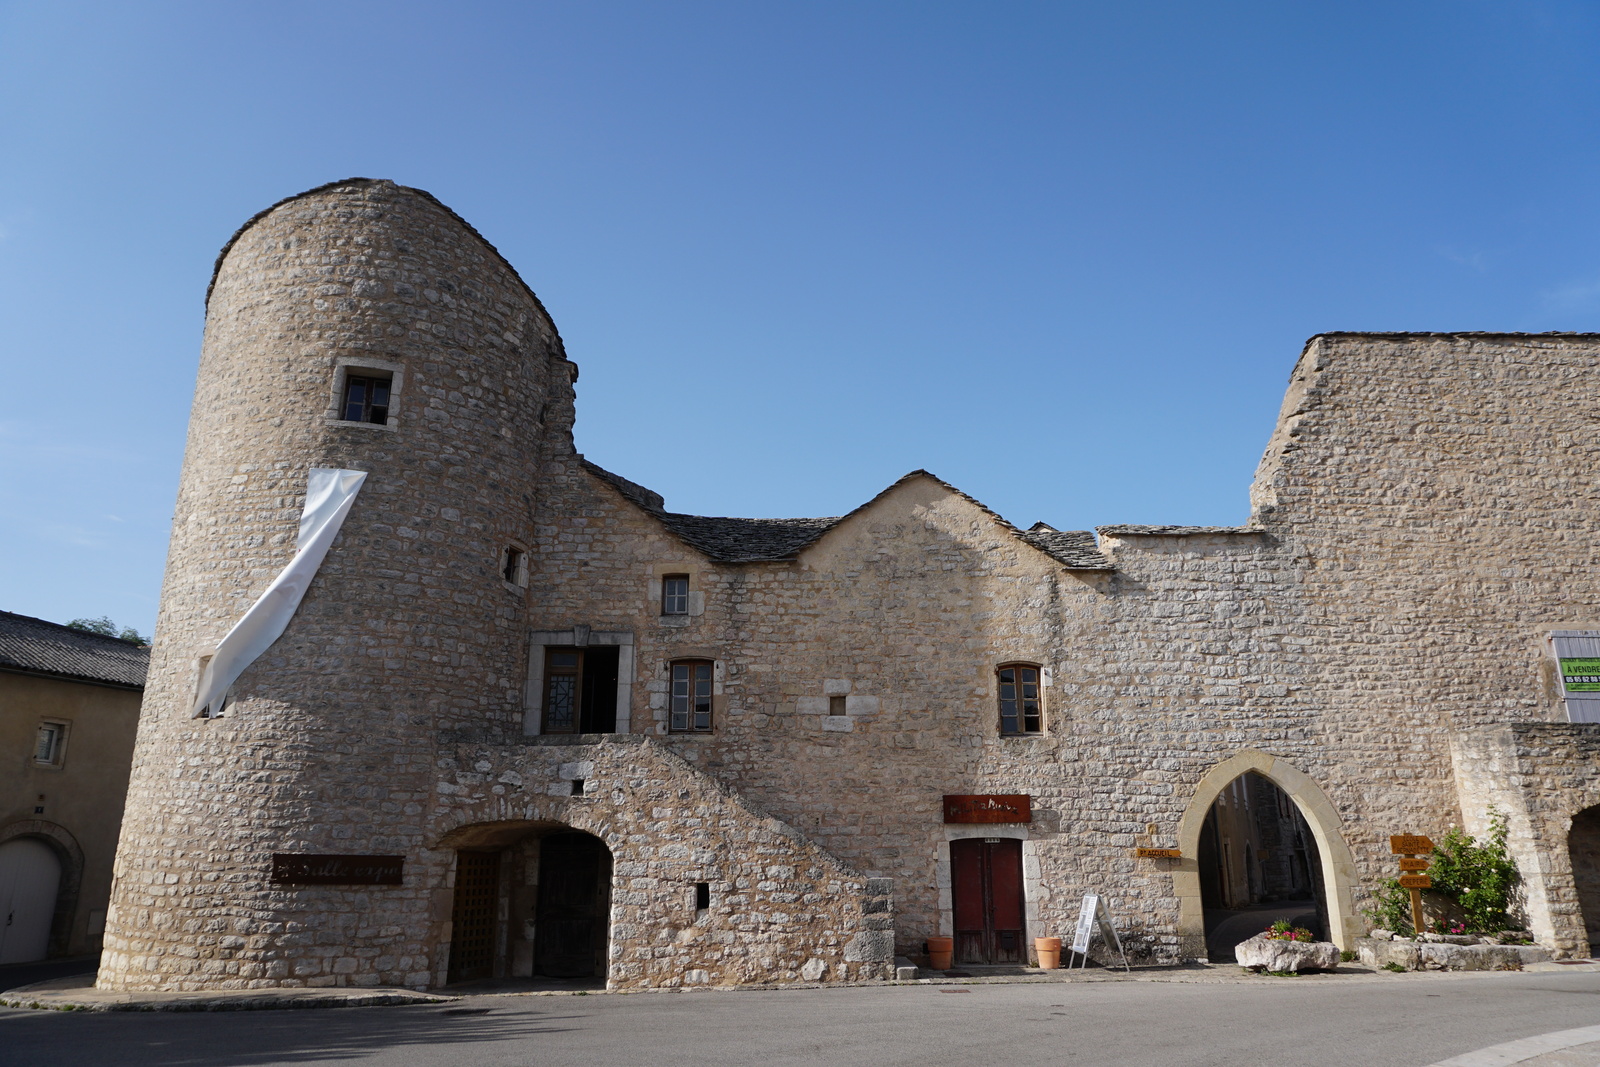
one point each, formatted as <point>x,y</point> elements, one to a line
<point>702,896</point>
<point>837,705</point>
<point>577,787</point>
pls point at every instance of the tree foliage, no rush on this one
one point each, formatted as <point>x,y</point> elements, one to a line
<point>105,627</point>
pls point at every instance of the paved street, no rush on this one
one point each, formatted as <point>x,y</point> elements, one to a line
<point>1396,1021</point>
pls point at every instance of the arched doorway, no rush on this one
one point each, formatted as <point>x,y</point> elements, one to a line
<point>1258,863</point>
<point>531,901</point>
<point>30,877</point>
<point>1583,846</point>
<point>1199,876</point>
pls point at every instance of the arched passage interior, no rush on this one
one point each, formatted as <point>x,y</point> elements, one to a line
<point>531,901</point>
<point>1331,866</point>
<point>1258,863</point>
<point>1583,846</point>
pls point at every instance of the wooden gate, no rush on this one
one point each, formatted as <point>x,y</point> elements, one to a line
<point>986,886</point>
<point>574,906</point>
<point>473,919</point>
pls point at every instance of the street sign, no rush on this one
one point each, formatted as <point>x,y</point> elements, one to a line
<point>1158,853</point>
<point>1409,844</point>
<point>1415,881</point>
<point>1407,863</point>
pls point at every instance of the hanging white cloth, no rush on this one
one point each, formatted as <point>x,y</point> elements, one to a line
<point>329,495</point>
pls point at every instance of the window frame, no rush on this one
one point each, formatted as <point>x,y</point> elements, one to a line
<point>552,671</point>
<point>346,367</point>
<point>1019,700</point>
<point>514,565</point>
<point>691,715</point>
<point>668,598</point>
<point>58,752</point>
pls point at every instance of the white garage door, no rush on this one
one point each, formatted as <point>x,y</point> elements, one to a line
<point>30,874</point>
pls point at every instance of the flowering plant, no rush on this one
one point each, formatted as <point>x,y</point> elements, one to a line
<point>1282,931</point>
<point>1442,927</point>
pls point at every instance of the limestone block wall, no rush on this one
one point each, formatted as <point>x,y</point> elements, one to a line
<point>1539,775</point>
<point>408,634</point>
<point>782,909</point>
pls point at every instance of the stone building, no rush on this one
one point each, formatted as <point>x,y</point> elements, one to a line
<point>69,708</point>
<point>529,720</point>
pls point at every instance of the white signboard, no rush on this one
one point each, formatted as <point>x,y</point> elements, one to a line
<point>1094,915</point>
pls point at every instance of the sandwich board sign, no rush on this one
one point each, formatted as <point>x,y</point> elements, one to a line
<point>1093,916</point>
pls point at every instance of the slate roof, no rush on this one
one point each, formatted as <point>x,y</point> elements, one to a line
<point>40,647</point>
<point>1077,549</point>
<point>1136,530</point>
<point>731,540</point>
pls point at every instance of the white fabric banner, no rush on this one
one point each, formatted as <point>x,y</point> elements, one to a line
<point>329,495</point>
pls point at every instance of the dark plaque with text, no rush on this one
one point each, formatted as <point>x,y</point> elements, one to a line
<point>1016,807</point>
<point>303,868</point>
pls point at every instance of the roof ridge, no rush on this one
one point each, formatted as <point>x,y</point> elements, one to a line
<point>73,629</point>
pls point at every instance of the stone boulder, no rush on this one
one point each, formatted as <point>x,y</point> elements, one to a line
<point>1263,953</point>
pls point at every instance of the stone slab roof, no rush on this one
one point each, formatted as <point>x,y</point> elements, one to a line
<point>1136,530</point>
<point>40,647</point>
<point>732,540</point>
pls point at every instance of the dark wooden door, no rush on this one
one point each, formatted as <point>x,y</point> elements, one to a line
<point>472,919</point>
<point>574,908</point>
<point>986,884</point>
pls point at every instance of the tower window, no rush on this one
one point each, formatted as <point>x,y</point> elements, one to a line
<point>1019,699</point>
<point>366,398</point>
<point>513,567</point>
<point>691,696</point>
<point>702,896</point>
<point>675,594</point>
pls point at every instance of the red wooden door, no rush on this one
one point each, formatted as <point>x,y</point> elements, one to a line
<point>986,887</point>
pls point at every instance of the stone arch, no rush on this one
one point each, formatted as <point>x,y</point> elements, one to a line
<point>70,855</point>
<point>507,853</point>
<point>1338,864</point>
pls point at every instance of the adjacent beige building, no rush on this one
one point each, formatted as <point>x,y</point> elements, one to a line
<point>69,709</point>
<point>528,720</point>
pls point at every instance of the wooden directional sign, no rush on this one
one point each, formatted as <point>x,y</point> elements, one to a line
<point>1415,881</point>
<point>1409,844</point>
<point>1157,853</point>
<point>1409,864</point>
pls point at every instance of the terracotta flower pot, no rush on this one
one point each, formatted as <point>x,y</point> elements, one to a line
<point>1049,950</point>
<point>941,952</point>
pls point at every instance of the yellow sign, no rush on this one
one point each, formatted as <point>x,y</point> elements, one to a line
<point>1409,864</point>
<point>1157,853</point>
<point>1415,881</point>
<point>1409,844</point>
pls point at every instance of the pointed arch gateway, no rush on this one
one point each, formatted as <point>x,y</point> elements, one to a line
<point>1338,865</point>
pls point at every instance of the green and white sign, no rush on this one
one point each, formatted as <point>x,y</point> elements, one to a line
<point>1581,675</point>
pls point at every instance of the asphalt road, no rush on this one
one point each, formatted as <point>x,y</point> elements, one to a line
<point>1392,1020</point>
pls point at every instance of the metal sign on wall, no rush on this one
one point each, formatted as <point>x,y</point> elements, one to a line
<point>303,868</point>
<point>982,808</point>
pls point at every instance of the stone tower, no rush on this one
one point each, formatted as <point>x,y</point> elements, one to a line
<point>411,632</point>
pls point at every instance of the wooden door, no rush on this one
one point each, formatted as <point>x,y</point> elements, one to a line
<point>986,887</point>
<point>473,920</point>
<point>574,910</point>
<point>30,874</point>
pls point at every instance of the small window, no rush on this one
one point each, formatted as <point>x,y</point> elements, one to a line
<point>691,696</point>
<point>1019,699</point>
<point>514,567</point>
<point>50,743</point>
<point>702,896</point>
<point>837,706</point>
<point>675,594</point>
<point>366,398</point>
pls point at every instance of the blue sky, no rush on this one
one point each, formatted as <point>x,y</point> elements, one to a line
<point>1062,255</point>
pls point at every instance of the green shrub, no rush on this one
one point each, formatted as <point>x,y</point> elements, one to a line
<point>1478,876</point>
<point>1395,967</point>
<point>1348,955</point>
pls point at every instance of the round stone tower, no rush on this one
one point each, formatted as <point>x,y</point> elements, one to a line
<point>360,325</point>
